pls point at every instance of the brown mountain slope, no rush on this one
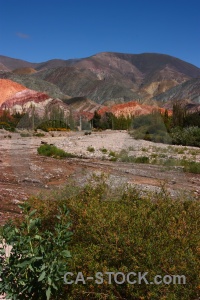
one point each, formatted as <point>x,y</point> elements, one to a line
<point>23,71</point>
<point>13,63</point>
<point>189,90</point>
<point>113,77</point>
<point>3,68</point>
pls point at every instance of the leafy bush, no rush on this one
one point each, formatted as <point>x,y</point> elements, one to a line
<point>115,229</point>
<point>150,134</point>
<point>119,230</point>
<point>5,125</point>
<point>188,136</point>
<point>192,119</point>
<point>163,129</point>
<point>153,127</point>
<point>38,258</point>
<point>51,150</point>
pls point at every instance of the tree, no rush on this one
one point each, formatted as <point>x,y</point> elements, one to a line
<point>96,120</point>
<point>179,113</point>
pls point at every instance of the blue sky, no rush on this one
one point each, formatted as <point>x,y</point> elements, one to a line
<point>39,30</point>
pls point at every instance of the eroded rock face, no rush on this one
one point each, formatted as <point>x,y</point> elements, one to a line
<point>17,98</point>
<point>129,109</point>
<point>8,89</point>
<point>23,100</point>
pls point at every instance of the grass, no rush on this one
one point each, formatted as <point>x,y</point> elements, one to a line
<point>113,158</point>
<point>161,159</point>
<point>25,134</point>
<point>187,166</point>
<point>39,134</point>
<point>191,166</point>
<point>124,157</point>
<point>90,149</point>
<point>112,153</point>
<point>194,152</point>
<point>53,151</point>
<point>104,150</point>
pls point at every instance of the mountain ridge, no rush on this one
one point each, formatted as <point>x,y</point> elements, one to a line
<point>107,77</point>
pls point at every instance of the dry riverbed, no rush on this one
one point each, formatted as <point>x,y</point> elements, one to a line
<point>24,172</point>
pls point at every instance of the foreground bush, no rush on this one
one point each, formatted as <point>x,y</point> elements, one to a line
<point>118,230</point>
<point>37,259</point>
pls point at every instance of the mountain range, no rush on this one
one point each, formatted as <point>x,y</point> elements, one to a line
<point>109,78</point>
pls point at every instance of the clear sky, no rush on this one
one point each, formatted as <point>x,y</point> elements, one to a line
<point>39,30</point>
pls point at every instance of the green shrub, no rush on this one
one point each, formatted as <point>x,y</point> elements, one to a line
<point>151,133</point>
<point>103,150</point>
<point>115,229</point>
<point>112,153</point>
<point>39,134</point>
<point>90,149</point>
<point>188,166</point>
<point>123,156</point>
<point>113,158</point>
<point>189,136</point>
<point>118,230</point>
<point>53,125</point>
<point>191,167</point>
<point>38,258</point>
<point>25,134</point>
<point>51,150</point>
<point>142,160</point>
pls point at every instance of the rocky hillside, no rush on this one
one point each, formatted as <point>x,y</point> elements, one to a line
<point>34,83</point>
<point>17,98</point>
<point>130,109</point>
<point>189,90</point>
<point>108,78</point>
<point>9,88</point>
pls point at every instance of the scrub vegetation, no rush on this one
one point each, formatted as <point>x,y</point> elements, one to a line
<point>113,229</point>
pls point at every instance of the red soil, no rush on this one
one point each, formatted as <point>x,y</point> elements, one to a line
<point>131,109</point>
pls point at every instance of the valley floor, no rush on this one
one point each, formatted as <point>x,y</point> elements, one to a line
<point>23,172</point>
